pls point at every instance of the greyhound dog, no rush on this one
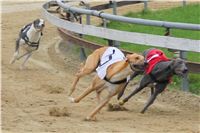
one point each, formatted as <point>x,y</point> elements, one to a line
<point>29,39</point>
<point>113,71</point>
<point>158,72</point>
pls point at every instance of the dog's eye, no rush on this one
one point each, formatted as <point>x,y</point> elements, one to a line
<point>137,58</point>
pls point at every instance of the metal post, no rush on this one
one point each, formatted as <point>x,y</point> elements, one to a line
<point>182,55</point>
<point>88,16</point>
<point>82,51</point>
<point>104,22</point>
<point>175,52</point>
<point>71,17</point>
<point>68,16</point>
<point>145,5</point>
<point>184,2</point>
<point>114,6</point>
<point>110,42</point>
<point>185,83</point>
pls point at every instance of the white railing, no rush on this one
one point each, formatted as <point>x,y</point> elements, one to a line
<point>181,44</point>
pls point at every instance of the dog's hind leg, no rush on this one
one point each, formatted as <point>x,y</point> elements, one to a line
<point>158,89</point>
<point>98,108</point>
<point>16,52</point>
<point>143,83</point>
<point>98,92</point>
<point>25,60</point>
<point>90,65</point>
<point>104,102</point>
<point>101,105</point>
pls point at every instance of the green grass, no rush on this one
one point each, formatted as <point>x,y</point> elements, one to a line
<point>187,14</point>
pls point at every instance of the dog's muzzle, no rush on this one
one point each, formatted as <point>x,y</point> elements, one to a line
<point>138,67</point>
<point>183,72</point>
<point>145,63</point>
<point>40,27</point>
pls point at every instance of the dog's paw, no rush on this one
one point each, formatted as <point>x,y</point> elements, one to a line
<point>22,67</point>
<point>71,99</point>
<point>116,107</point>
<point>12,61</point>
<point>90,119</point>
<point>121,102</point>
<point>142,112</point>
<point>70,94</point>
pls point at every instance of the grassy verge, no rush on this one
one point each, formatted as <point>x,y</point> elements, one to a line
<point>187,14</point>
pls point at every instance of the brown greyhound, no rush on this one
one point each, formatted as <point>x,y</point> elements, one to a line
<point>115,78</point>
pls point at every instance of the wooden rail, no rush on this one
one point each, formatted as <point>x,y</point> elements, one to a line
<point>74,39</point>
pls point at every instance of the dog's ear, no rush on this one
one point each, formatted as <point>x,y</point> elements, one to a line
<point>135,58</point>
<point>172,64</point>
<point>128,56</point>
<point>35,22</point>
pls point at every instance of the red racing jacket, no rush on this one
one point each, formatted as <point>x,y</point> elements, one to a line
<point>152,58</point>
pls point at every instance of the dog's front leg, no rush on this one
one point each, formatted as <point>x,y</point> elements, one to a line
<point>97,109</point>
<point>25,60</point>
<point>123,89</point>
<point>158,89</point>
<point>143,83</point>
<point>103,103</point>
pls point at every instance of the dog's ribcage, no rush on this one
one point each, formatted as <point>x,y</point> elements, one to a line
<point>119,76</point>
<point>33,35</point>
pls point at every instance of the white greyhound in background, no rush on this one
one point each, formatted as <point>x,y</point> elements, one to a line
<point>29,39</point>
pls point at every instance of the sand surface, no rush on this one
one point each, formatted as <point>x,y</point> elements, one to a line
<point>35,100</point>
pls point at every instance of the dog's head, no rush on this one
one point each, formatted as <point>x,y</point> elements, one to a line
<point>39,24</point>
<point>136,61</point>
<point>179,67</point>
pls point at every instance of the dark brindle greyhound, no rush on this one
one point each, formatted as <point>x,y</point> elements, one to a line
<point>158,72</point>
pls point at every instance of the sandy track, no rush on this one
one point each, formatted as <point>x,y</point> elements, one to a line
<point>29,96</point>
